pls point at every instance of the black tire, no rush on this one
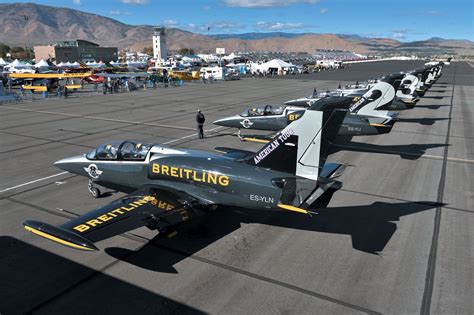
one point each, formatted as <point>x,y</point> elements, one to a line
<point>95,192</point>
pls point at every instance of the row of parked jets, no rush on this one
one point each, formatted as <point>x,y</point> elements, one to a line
<point>167,186</point>
<point>369,104</point>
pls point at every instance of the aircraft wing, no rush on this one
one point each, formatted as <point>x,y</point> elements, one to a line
<point>149,206</point>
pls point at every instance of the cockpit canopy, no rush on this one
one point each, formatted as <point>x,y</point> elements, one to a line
<point>263,110</point>
<point>121,150</point>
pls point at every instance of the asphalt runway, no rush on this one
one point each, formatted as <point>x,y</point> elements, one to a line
<point>397,238</point>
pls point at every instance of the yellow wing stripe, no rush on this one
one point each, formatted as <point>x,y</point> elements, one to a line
<point>379,125</point>
<point>293,208</point>
<point>256,140</point>
<point>54,238</point>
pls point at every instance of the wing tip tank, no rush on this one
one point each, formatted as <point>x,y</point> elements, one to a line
<point>59,235</point>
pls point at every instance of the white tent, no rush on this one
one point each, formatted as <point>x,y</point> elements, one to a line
<point>42,64</point>
<point>232,56</point>
<point>75,64</point>
<point>61,64</point>
<point>276,65</point>
<point>16,63</point>
<point>3,62</point>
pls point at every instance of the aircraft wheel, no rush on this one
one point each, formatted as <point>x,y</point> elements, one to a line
<point>95,192</point>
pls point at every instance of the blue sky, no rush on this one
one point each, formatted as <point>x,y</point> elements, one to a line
<point>402,20</point>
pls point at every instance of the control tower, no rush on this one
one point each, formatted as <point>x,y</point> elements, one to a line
<point>159,43</point>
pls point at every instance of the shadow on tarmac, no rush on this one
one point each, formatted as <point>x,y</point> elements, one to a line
<point>32,278</point>
<point>436,97</point>
<point>421,121</point>
<point>370,227</point>
<point>431,106</point>
<point>405,151</point>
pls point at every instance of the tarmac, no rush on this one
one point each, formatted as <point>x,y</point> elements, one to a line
<point>396,239</point>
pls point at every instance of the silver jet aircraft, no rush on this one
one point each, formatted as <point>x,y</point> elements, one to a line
<point>167,186</point>
<point>364,117</point>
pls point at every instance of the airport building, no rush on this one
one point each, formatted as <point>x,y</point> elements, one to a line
<point>75,50</point>
<point>159,43</point>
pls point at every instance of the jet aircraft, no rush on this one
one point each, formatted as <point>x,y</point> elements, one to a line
<point>167,186</point>
<point>364,116</point>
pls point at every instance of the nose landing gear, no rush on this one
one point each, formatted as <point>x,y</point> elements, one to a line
<point>95,192</point>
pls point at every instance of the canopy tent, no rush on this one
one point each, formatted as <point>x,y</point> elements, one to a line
<point>275,65</point>
<point>3,62</point>
<point>42,64</point>
<point>75,64</point>
<point>16,63</point>
<point>232,56</point>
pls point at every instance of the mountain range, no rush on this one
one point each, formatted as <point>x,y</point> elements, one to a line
<point>47,24</point>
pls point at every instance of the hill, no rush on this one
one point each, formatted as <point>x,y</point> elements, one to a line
<point>48,24</point>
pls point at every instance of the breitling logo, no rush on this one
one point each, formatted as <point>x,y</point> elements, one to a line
<point>93,171</point>
<point>123,210</point>
<point>207,177</point>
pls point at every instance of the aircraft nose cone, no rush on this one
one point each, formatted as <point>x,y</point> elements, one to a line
<point>227,122</point>
<point>71,164</point>
<point>62,164</point>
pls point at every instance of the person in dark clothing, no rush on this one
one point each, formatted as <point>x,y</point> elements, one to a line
<point>200,119</point>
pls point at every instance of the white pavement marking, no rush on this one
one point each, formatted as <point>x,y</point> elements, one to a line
<point>62,173</point>
<point>33,181</point>
<point>132,122</point>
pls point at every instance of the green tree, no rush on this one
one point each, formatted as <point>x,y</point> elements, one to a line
<point>17,49</point>
<point>148,51</point>
<point>186,51</point>
<point>4,49</point>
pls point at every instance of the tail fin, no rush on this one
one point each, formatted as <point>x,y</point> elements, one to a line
<point>394,79</point>
<point>379,97</point>
<point>408,86</point>
<point>303,146</point>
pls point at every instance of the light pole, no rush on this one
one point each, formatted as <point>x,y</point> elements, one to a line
<point>27,35</point>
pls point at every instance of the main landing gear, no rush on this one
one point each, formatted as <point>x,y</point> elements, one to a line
<point>95,192</point>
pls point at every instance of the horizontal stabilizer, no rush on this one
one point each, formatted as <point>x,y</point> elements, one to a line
<point>59,235</point>
<point>234,153</point>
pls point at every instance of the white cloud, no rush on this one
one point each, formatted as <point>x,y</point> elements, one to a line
<point>170,23</point>
<point>264,3</point>
<point>135,2</point>
<point>399,35</point>
<point>76,2</point>
<point>323,10</point>
<point>118,12</point>
<point>278,26</point>
<point>216,26</point>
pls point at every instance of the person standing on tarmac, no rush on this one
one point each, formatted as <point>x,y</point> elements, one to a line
<point>200,119</point>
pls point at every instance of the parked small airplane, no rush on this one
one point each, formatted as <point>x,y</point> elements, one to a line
<point>167,186</point>
<point>365,115</point>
